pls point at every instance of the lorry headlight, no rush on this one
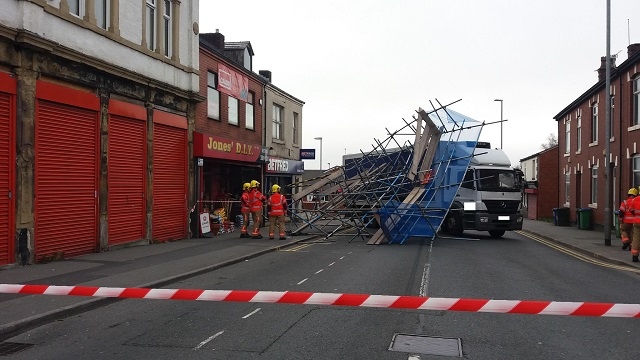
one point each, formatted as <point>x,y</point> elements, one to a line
<point>470,206</point>
<point>484,219</point>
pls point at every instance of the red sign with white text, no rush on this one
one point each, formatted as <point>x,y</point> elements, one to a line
<point>222,148</point>
<point>233,83</point>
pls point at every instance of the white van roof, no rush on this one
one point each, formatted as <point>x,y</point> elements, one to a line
<point>490,157</point>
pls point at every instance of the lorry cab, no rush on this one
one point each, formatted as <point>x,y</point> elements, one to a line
<point>489,197</point>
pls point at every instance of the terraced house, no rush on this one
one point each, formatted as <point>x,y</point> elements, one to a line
<point>97,106</point>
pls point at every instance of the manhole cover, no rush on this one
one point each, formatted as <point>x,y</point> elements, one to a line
<point>8,348</point>
<point>428,345</point>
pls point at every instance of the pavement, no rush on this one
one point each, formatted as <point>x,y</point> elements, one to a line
<point>158,265</point>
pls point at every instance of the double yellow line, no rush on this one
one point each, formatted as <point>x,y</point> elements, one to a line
<point>577,255</point>
<point>297,247</point>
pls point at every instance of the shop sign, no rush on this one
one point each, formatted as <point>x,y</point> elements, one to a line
<point>233,83</point>
<point>307,154</point>
<point>284,166</point>
<point>204,223</point>
<point>264,155</point>
<point>222,148</point>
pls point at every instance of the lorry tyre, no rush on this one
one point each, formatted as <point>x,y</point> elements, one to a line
<point>496,233</point>
<point>454,223</point>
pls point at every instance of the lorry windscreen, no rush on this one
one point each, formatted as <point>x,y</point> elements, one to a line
<point>497,180</point>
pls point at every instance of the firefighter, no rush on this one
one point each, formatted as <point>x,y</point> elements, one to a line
<point>245,209</point>
<point>635,244</point>
<point>627,218</point>
<point>256,199</point>
<point>277,206</point>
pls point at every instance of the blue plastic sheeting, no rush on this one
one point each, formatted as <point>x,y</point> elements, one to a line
<point>423,218</point>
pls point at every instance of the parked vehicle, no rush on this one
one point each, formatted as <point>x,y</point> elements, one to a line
<point>489,197</point>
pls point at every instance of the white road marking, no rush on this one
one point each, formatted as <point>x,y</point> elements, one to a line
<point>209,339</point>
<point>319,271</point>
<point>342,258</point>
<point>303,281</point>
<point>332,263</point>
<point>424,283</point>
<point>251,313</point>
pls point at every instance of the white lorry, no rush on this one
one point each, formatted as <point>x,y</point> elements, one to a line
<point>489,197</point>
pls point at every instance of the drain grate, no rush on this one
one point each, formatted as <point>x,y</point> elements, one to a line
<point>428,345</point>
<point>8,348</point>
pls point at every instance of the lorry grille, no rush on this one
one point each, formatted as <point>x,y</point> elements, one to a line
<point>502,206</point>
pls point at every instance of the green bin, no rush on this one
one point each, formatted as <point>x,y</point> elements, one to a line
<point>616,222</point>
<point>584,218</point>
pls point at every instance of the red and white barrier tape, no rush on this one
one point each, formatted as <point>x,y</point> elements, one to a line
<point>362,300</point>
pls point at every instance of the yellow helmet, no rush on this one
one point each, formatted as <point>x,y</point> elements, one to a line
<point>633,191</point>
<point>246,186</point>
<point>275,188</point>
<point>254,183</point>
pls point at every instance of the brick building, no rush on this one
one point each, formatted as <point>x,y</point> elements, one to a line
<point>581,140</point>
<point>541,179</point>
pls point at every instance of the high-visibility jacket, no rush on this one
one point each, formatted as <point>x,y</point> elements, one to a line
<point>278,204</point>
<point>625,210</point>
<point>255,199</point>
<point>635,209</point>
<point>245,205</point>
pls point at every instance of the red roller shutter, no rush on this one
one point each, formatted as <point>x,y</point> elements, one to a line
<point>66,218</point>
<point>127,164</point>
<point>169,182</point>
<point>7,119</point>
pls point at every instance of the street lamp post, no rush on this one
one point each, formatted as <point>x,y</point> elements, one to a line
<point>500,121</point>
<point>320,138</point>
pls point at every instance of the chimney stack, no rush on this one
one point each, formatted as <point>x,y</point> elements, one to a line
<point>632,50</point>
<point>215,39</point>
<point>602,71</point>
<point>265,73</point>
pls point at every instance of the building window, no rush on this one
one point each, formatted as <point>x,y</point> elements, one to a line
<point>76,7</point>
<point>233,110</point>
<point>278,124</point>
<point>151,24</point>
<point>249,110</point>
<point>295,128</point>
<point>611,117</point>
<point>567,187</point>
<point>594,184</point>
<point>636,100</point>
<point>213,96</point>
<point>102,10</point>
<point>534,168</point>
<point>594,123</point>
<point>567,135</point>
<point>166,24</point>
<point>636,170</point>
<point>579,132</point>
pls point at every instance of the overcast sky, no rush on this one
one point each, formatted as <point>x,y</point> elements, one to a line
<point>361,66</point>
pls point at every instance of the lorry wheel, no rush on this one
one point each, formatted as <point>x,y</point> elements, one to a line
<point>496,233</point>
<point>454,223</point>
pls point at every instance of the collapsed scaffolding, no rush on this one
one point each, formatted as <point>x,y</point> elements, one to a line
<point>402,188</point>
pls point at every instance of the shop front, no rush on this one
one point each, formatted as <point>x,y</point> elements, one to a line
<point>222,166</point>
<point>283,173</point>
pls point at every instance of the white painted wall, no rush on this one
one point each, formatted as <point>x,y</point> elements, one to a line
<point>31,17</point>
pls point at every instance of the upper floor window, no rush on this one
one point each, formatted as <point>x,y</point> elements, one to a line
<point>150,20</point>
<point>213,96</point>
<point>611,117</point>
<point>579,131</point>
<point>102,9</point>
<point>635,165</point>
<point>167,27</point>
<point>249,117</point>
<point>594,123</point>
<point>278,122</point>
<point>567,135</point>
<point>76,7</point>
<point>636,101</point>
<point>295,127</point>
<point>233,110</point>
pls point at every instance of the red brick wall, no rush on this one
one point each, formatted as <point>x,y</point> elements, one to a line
<point>547,184</point>
<point>209,62</point>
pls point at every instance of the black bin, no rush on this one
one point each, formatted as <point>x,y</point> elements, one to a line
<point>561,216</point>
